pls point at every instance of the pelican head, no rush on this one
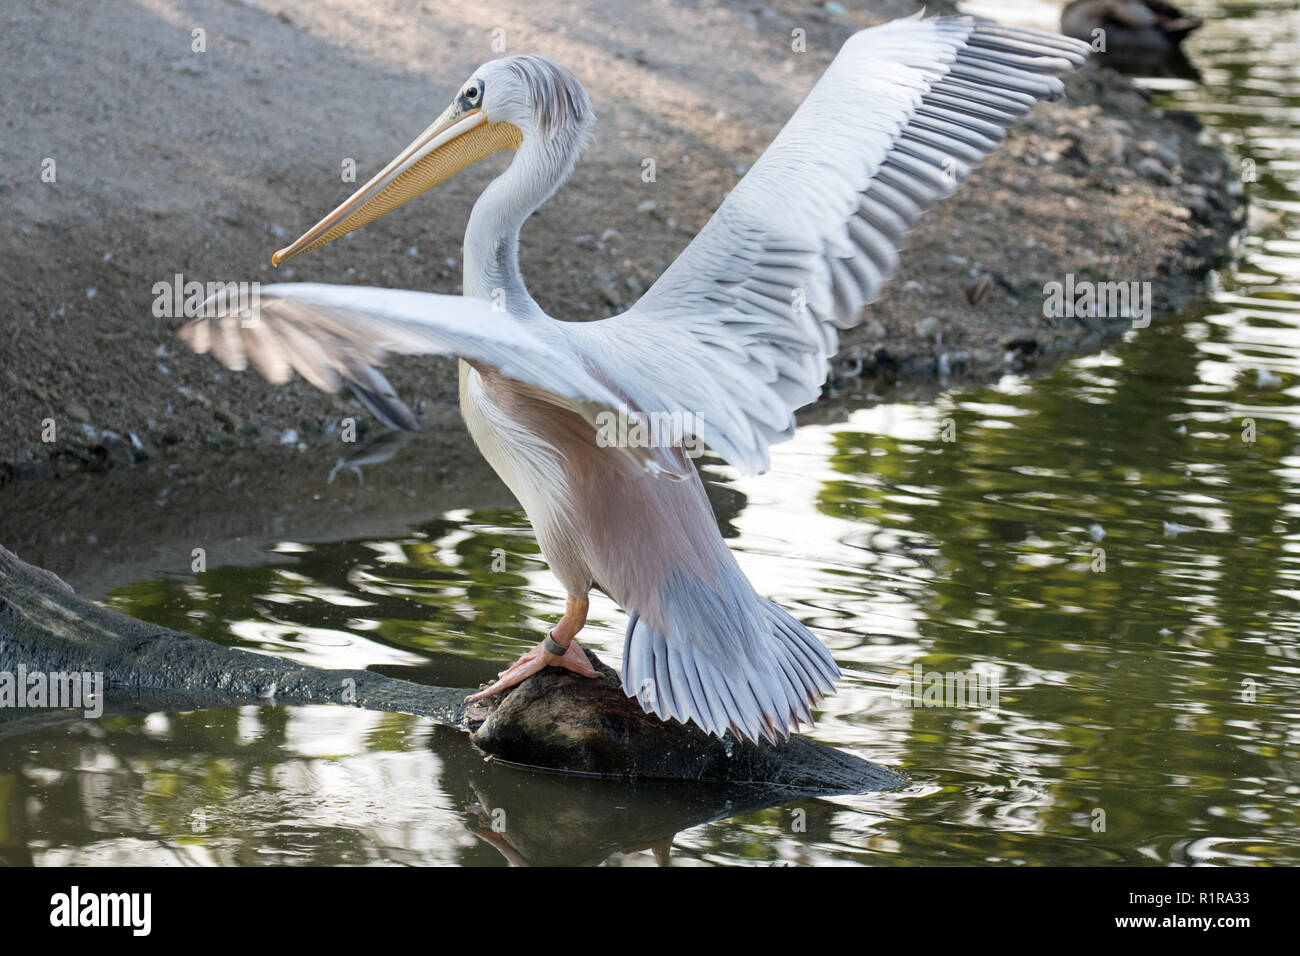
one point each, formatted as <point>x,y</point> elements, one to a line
<point>528,103</point>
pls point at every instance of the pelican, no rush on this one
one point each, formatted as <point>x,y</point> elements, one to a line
<point>734,337</point>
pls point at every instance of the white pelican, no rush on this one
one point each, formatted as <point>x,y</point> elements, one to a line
<point>732,338</point>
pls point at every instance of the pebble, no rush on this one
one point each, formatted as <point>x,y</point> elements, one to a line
<point>1152,169</point>
<point>1163,153</point>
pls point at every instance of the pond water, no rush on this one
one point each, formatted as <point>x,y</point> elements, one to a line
<point>1116,545</point>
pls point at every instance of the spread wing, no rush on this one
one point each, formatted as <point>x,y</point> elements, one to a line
<point>334,335</point>
<point>737,332</point>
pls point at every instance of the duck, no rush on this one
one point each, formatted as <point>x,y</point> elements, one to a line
<point>1133,36</point>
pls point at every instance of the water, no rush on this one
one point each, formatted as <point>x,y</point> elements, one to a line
<point>1117,543</point>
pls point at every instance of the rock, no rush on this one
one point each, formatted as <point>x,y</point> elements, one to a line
<point>609,294</point>
<point>561,720</point>
<point>1165,154</point>
<point>1023,343</point>
<point>1152,169</point>
<point>1075,151</point>
<point>955,361</point>
<point>1197,200</point>
<point>30,470</point>
<point>978,289</point>
<point>1107,148</point>
<point>110,452</point>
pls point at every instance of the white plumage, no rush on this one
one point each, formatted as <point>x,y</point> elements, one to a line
<point>733,337</point>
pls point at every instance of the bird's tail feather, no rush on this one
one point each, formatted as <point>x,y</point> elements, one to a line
<point>764,693</point>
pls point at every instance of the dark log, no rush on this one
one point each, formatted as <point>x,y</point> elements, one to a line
<point>45,627</point>
<point>555,721</point>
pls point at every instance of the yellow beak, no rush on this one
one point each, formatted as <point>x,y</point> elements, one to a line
<point>444,149</point>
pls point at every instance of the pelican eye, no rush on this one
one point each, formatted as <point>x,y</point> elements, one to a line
<point>471,93</point>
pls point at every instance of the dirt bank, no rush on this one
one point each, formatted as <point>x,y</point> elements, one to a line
<point>169,161</point>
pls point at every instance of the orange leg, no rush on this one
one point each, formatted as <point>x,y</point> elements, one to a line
<point>539,658</point>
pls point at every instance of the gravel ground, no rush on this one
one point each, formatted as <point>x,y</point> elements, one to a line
<point>169,161</point>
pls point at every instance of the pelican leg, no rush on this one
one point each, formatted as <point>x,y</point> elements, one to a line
<point>539,658</point>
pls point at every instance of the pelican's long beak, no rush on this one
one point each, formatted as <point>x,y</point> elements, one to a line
<point>444,149</point>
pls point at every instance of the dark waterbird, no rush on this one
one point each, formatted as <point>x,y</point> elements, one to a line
<point>1142,37</point>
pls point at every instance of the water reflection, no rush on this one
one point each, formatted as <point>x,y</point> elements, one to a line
<point>327,786</point>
